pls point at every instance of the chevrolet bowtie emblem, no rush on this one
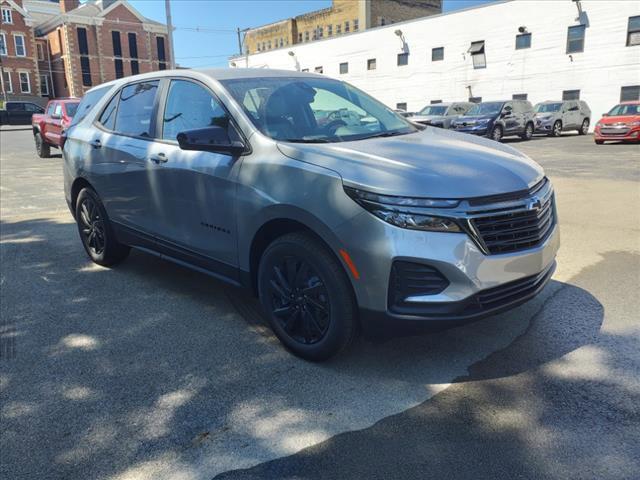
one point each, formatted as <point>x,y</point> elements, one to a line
<point>534,203</point>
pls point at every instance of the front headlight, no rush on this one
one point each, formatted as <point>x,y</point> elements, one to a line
<point>401,211</point>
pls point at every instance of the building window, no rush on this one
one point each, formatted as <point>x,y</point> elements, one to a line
<point>83,46</point>
<point>6,82</point>
<point>475,99</point>
<point>7,17</point>
<point>437,54</point>
<point>133,45</point>
<point>135,67</point>
<point>269,45</point>
<point>571,95</point>
<point>356,24</point>
<point>347,27</point>
<point>630,94</point>
<point>318,70</point>
<point>519,96</point>
<point>44,85</point>
<point>3,44</point>
<point>371,64</point>
<point>344,68</point>
<point>119,67</point>
<point>329,30</point>
<point>282,42</point>
<point>633,31</point>
<point>575,39</point>
<point>401,106</point>
<point>85,69</point>
<point>523,41</point>
<point>477,54</point>
<point>338,29</point>
<point>299,39</point>
<point>40,51</point>
<point>434,102</point>
<point>18,41</point>
<point>305,70</point>
<point>403,59</point>
<point>25,84</point>
<point>115,41</point>
<point>381,21</point>
<point>162,66</point>
<point>306,36</point>
<point>162,54</point>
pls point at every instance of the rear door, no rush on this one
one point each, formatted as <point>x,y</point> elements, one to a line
<point>573,114</point>
<point>510,119</point>
<point>17,115</point>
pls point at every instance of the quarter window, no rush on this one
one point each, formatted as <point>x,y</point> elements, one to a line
<point>135,109</point>
<point>437,54</point>
<point>523,41</point>
<point>21,51</point>
<point>371,64</point>
<point>344,68</point>
<point>7,16</point>
<point>575,39</point>
<point>630,94</point>
<point>108,117</point>
<point>477,54</point>
<point>403,59</point>
<point>190,106</point>
<point>571,95</point>
<point>633,31</point>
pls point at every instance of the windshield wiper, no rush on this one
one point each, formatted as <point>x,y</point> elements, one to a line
<point>306,140</point>
<point>384,134</point>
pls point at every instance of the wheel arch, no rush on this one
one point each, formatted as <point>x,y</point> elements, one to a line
<point>77,185</point>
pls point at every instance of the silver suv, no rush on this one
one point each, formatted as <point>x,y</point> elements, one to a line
<point>555,117</point>
<point>376,225</point>
<point>441,114</point>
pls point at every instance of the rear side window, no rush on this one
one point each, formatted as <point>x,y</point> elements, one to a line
<point>15,107</point>
<point>88,102</point>
<point>133,116</point>
<point>71,108</point>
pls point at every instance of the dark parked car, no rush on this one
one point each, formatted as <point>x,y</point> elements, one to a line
<point>441,114</point>
<point>555,117</point>
<point>498,119</point>
<point>18,113</point>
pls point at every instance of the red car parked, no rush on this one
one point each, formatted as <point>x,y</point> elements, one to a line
<point>48,126</point>
<point>621,124</point>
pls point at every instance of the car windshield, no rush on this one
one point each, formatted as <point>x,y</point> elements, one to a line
<point>623,110</point>
<point>72,108</point>
<point>486,108</point>
<point>434,110</point>
<point>314,110</point>
<point>548,107</point>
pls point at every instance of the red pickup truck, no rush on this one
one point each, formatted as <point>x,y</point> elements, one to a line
<point>49,126</point>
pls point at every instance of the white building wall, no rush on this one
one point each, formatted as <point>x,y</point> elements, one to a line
<point>542,71</point>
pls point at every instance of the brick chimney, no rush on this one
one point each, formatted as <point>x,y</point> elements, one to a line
<point>68,5</point>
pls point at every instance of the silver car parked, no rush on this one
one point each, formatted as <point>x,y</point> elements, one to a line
<point>555,117</point>
<point>380,226</point>
<point>441,114</point>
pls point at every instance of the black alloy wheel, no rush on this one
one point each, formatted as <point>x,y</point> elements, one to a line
<point>92,226</point>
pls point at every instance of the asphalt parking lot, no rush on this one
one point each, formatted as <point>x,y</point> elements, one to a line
<point>151,371</point>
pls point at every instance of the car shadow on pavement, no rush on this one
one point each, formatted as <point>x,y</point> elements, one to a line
<point>110,369</point>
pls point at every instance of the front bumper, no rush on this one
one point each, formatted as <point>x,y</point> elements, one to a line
<point>482,130</point>
<point>632,135</point>
<point>479,284</point>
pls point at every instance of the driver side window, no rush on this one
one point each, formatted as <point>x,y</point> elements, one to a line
<point>190,106</point>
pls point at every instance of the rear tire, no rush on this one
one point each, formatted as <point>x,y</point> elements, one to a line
<point>528,132</point>
<point>584,129</point>
<point>42,148</point>
<point>496,133</point>
<point>556,131</point>
<point>307,297</point>
<point>96,232</point>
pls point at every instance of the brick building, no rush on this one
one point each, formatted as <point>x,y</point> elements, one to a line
<point>60,48</point>
<point>342,17</point>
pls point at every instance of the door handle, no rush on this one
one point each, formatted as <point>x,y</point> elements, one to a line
<point>96,143</point>
<point>159,158</point>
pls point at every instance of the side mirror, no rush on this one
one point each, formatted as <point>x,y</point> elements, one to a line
<point>210,139</point>
<point>605,114</point>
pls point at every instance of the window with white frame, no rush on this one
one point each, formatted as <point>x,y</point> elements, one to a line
<point>25,84</point>
<point>6,82</point>
<point>7,16</point>
<point>477,54</point>
<point>3,44</point>
<point>44,85</point>
<point>40,49</point>
<point>633,31</point>
<point>19,43</point>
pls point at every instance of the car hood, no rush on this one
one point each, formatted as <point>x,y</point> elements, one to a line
<point>619,119</point>
<point>431,163</point>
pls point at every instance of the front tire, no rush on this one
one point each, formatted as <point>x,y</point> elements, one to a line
<point>96,232</point>
<point>42,148</point>
<point>557,129</point>
<point>584,129</point>
<point>307,297</point>
<point>496,133</point>
<point>528,132</point>
<point>599,142</point>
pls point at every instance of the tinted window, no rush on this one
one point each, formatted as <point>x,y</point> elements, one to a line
<point>571,95</point>
<point>15,107</point>
<point>190,106</point>
<point>575,39</point>
<point>437,54</point>
<point>88,102</point>
<point>628,94</point>
<point>344,68</point>
<point>523,41</point>
<point>108,117</point>
<point>135,109</point>
<point>403,59</point>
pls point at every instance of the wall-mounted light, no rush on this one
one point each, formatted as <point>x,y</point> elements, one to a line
<point>522,29</point>
<point>291,53</point>
<point>233,64</point>
<point>400,35</point>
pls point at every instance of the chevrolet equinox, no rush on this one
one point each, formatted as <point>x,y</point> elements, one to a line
<point>255,177</point>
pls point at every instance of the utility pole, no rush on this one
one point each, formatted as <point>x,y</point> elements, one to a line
<point>167,7</point>
<point>239,41</point>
